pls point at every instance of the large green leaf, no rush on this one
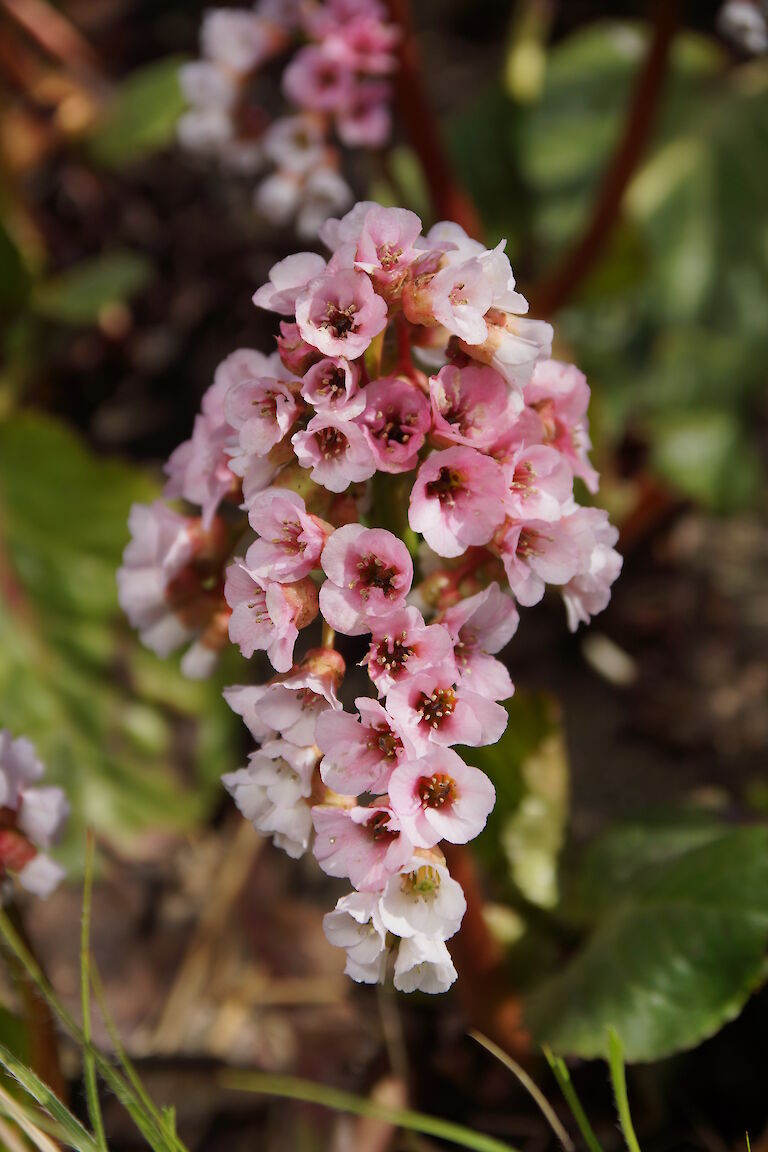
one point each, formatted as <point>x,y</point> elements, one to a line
<point>529,769</point>
<point>79,295</point>
<point>675,954</point>
<point>129,738</point>
<point>141,117</point>
<point>568,136</point>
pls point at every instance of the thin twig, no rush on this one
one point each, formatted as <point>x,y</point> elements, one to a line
<point>530,1086</point>
<point>578,262</point>
<point>55,34</point>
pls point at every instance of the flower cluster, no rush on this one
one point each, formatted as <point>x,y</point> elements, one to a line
<point>406,461</point>
<point>31,817</point>
<point>335,84</point>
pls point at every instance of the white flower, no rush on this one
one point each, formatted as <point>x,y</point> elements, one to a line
<point>422,900</point>
<point>356,926</point>
<point>423,965</point>
<point>272,793</point>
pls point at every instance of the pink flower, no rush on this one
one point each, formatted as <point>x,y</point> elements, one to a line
<point>540,483</point>
<point>162,544</point>
<point>589,591</point>
<point>291,539</point>
<point>267,616</point>
<point>457,500</point>
<point>460,295</point>
<point>33,817</point>
<point>198,469</point>
<point>369,573</point>
<point>287,279</point>
<point>290,705</point>
<point>365,844</point>
<point>439,797</point>
<point>480,625</point>
<point>423,900</point>
<point>238,40</point>
<point>318,78</point>
<point>262,411</point>
<point>336,450</point>
<point>365,121</point>
<point>385,247</point>
<point>537,553</point>
<point>360,752</point>
<point>469,405</point>
<point>559,394</point>
<point>432,708</point>
<point>340,313</point>
<point>396,419</point>
<point>295,144</point>
<point>512,346</point>
<point>360,26</point>
<point>296,355</point>
<point>403,645</point>
<point>337,234</point>
<point>331,386</point>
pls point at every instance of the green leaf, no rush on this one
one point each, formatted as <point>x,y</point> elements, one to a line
<point>76,1135</point>
<point>14,276</point>
<point>108,718</point>
<point>529,770</point>
<point>567,138</point>
<point>708,456</point>
<point>141,117</point>
<point>672,959</point>
<point>613,862</point>
<point>79,295</point>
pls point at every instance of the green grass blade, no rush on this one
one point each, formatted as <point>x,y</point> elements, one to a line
<point>75,1133</point>
<point>89,1064</point>
<point>165,1117</point>
<point>154,1133</point>
<point>529,1085</point>
<point>292,1088</point>
<point>619,1081</point>
<point>563,1077</point>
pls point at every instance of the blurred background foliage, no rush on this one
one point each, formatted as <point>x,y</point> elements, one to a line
<point>126,270</point>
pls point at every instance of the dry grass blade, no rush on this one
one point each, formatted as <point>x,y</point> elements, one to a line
<point>531,1088</point>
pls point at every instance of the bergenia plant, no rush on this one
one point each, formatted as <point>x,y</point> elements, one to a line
<point>404,464</point>
<point>335,59</point>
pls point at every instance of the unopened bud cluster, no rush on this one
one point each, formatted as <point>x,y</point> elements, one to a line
<point>335,58</point>
<point>406,461</point>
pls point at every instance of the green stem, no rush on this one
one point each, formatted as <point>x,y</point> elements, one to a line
<point>619,1081</point>
<point>89,1064</point>
<point>292,1088</point>
<point>562,1075</point>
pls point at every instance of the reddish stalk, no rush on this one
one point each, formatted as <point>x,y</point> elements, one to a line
<point>449,199</point>
<point>547,297</point>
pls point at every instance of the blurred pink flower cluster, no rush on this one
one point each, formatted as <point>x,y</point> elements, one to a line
<point>31,817</point>
<point>335,58</point>
<point>406,461</point>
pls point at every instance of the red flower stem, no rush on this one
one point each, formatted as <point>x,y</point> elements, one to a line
<point>559,287</point>
<point>449,200</point>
